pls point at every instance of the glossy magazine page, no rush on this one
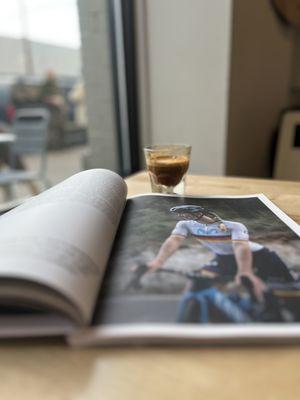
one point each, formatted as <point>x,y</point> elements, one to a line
<point>200,269</point>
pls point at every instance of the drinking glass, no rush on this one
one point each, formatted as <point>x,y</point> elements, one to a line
<point>167,166</point>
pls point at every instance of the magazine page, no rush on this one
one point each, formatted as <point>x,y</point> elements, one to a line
<point>62,238</point>
<point>210,268</point>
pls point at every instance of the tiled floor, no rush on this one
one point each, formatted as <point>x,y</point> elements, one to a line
<point>61,164</point>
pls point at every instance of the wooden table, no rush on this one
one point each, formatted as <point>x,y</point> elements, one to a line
<point>49,370</point>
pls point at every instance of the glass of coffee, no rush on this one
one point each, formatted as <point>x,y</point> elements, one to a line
<point>167,166</point>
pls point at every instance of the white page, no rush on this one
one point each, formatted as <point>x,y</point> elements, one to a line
<point>63,236</point>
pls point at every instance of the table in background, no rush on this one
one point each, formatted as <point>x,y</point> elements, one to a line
<point>7,138</point>
<point>31,370</point>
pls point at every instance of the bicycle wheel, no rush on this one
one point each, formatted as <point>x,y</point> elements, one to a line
<point>189,312</point>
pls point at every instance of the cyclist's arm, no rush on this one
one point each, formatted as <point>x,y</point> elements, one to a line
<point>244,259</point>
<point>169,246</point>
<point>243,256</point>
<point>241,247</point>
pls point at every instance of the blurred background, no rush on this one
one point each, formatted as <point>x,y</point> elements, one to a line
<point>93,81</point>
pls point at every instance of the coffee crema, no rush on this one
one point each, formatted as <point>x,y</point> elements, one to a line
<point>168,170</point>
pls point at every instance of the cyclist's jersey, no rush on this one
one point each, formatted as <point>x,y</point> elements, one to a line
<point>213,237</point>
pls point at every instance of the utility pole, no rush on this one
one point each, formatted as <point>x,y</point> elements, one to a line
<point>26,45</point>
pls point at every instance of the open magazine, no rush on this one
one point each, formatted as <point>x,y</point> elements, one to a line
<point>82,261</point>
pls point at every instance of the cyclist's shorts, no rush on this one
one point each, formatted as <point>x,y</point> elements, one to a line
<point>266,264</point>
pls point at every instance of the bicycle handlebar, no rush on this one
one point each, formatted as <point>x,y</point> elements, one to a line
<point>206,281</point>
<point>195,276</point>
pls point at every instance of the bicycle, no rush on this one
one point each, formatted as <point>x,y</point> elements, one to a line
<point>213,299</point>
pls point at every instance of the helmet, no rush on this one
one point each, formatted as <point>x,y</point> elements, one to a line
<point>193,209</point>
<point>188,209</point>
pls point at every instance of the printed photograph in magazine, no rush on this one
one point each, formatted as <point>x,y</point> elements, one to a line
<point>202,260</point>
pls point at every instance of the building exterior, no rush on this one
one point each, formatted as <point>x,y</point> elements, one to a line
<point>40,56</point>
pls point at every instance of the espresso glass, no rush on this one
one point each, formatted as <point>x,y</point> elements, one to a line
<point>167,166</point>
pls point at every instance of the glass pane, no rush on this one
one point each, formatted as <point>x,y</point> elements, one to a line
<point>41,70</point>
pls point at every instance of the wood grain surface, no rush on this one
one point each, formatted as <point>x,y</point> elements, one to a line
<point>49,370</point>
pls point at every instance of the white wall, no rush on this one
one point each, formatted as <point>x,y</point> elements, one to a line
<point>188,62</point>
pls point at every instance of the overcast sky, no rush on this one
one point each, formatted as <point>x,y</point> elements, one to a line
<point>50,21</point>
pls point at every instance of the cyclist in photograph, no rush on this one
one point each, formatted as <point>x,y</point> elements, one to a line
<point>235,255</point>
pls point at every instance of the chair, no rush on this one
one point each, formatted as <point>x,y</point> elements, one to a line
<point>30,127</point>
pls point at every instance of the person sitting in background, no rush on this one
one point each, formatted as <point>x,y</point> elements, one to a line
<point>20,97</point>
<point>52,97</point>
